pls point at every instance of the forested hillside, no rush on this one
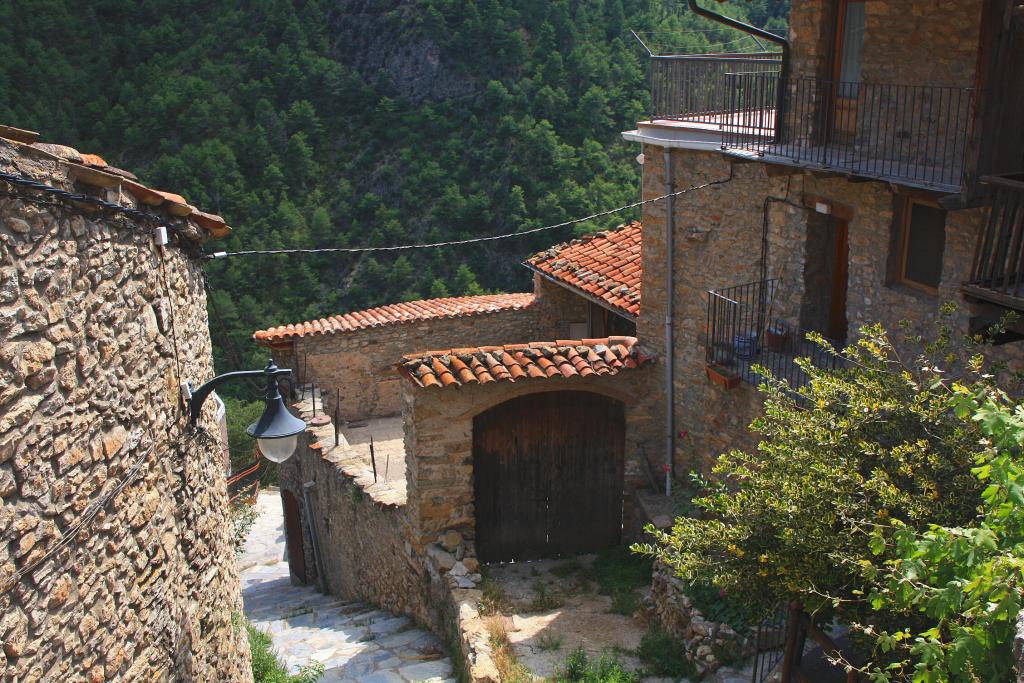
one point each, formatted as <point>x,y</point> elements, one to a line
<point>355,123</point>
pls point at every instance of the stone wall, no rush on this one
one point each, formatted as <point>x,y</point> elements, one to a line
<point>361,363</point>
<point>362,529</point>
<point>705,642</point>
<point>717,244</point>
<point>97,328</point>
<point>932,42</point>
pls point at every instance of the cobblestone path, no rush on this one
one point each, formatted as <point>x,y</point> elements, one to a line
<point>355,642</point>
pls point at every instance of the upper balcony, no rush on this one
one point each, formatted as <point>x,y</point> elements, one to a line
<point>997,273</point>
<point>913,135</point>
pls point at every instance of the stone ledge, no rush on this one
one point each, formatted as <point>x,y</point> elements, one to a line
<point>350,463</point>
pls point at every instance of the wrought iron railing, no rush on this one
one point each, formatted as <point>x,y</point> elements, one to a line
<point>695,88</point>
<point>742,333</point>
<point>997,273</point>
<point>769,641</point>
<point>904,133</point>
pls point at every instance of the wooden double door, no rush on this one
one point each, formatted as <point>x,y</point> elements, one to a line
<point>548,476</point>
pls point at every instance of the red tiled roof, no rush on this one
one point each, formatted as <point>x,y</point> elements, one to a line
<point>411,311</point>
<point>92,169</point>
<point>606,265</point>
<point>512,362</point>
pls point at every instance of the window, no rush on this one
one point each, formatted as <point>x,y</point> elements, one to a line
<point>850,47</point>
<point>922,240</point>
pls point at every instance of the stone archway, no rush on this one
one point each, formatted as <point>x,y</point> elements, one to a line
<point>548,475</point>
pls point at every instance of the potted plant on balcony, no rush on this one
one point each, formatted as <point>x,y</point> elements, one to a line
<point>722,376</point>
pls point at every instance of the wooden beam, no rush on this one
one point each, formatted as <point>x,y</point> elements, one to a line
<point>1015,303</point>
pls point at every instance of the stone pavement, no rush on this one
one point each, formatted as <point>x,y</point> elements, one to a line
<point>265,542</point>
<point>355,642</point>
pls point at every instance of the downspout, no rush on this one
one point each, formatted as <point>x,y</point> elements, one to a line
<point>670,394</point>
<point>780,99</point>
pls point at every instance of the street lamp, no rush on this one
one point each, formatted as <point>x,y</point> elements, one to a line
<point>277,431</point>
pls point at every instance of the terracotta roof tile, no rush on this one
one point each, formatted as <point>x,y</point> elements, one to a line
<point>606,265</point>
<point>539,360</point>
<point>92,169</point>
<point>393,314</point>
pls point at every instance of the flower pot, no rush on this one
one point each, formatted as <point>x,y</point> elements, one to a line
<point>746,346</point>
<point>775,336</point>
<point>722,377</point>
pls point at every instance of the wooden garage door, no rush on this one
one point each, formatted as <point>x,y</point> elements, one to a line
<point>548,476</point>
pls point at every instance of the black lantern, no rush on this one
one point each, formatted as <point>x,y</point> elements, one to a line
<point>277,431</point>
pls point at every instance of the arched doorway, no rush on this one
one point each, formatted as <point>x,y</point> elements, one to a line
<point>548,475</point>
<point>293,536</point>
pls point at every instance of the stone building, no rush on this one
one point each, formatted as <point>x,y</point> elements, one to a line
<point>867,170</point>
<point>116,561</point>
<point>873,181</point>
<point>423,463</point>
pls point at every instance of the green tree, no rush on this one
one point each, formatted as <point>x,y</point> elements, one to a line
<point>861,502</point>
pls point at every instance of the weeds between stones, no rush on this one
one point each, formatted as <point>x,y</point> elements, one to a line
<point>510,669</point>
<point>549,641</point>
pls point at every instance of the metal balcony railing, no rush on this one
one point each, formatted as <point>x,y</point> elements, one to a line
<point>695,88</point>
<point>742,333</point>
<point>909,134</point>
<point>997,274</point>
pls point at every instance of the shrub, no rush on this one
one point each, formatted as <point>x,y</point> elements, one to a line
<point>243,517</point>
<point>966,580</point>
<point>579,668</point>
<point>267,668</point>
<point>663,655</point>
<point>860,502</point>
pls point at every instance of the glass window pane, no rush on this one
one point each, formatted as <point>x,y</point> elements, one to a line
<point>926,240</point>
<point>853,45</point>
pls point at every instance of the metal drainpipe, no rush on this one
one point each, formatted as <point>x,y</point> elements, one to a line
<point>760,33</point>
<point>670,394</point>
<point>317,560</point>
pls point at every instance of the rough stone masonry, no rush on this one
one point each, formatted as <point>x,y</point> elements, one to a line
<point>98,326</point>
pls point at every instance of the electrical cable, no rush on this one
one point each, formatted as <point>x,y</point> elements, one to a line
<point>475,240</point>
<point>90,512</point>
<point>30,184</point>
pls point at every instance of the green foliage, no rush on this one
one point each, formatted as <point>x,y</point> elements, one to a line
<point>306,124</point>
<point>663,655</point>
<point>965,580</point>
<point>719,607</point>
<point>267,668</point>
<point>619,573</point>
<point>862,502</point>
<point>243,517</point>
<point>241,414</point>
<point>580,668</point>
<point>549,641</point>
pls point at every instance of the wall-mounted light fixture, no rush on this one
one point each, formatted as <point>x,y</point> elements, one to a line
<point>277,431</point>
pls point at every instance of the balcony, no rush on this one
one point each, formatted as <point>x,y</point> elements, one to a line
<point>698,90</point>
<point>997,273</point>
<point>913,135</point>
<point>742,333</point>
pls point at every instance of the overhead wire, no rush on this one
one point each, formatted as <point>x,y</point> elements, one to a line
<point>474,240</point>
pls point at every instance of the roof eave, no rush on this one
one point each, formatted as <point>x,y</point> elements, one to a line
<point>621,312</point>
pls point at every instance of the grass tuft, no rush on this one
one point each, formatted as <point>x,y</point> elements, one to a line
<point>495,600</point>
<point>663,655</point>
<point>267,668</point>
<point>579,668</point>
<point>543,600</point>
<point>619,573</point>
<point>549,641</point>
<point>510,669</point>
